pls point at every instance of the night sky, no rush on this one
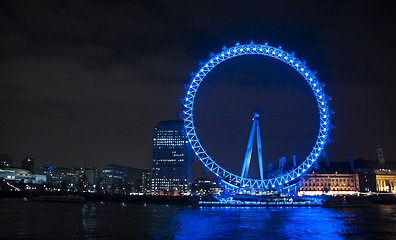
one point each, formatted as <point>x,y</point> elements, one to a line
<point>89,80</point>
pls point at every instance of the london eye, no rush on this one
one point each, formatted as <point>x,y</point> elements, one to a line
<point>265,183</point>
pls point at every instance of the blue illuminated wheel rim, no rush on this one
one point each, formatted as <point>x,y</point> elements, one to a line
<point>230,178</point>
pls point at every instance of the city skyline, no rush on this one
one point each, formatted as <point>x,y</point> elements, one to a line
<point>91,81</point>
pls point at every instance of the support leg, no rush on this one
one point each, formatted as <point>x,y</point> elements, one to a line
<point>260,154</point>
<point>248,155</point>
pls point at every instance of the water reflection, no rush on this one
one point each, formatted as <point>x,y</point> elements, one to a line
<point>31,220</point>
<point>258,223</point>
<point>88,217</point>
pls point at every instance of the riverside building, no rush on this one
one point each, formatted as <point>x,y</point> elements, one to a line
<point>122,180</point>
<point>72,179</point>
<point>171,166</point>
<point>376,176</point>
<point>338,178</point>
<point>347,178</point>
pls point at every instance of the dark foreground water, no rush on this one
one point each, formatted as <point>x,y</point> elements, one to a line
<point>95,220</point>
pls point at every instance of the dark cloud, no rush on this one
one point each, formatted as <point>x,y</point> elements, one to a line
<point>90,79</point>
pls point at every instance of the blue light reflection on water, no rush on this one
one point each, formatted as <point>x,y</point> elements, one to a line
<point>259,223</point>
<point>94,220</point>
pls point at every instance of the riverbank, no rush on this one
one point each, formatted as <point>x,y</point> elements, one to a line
<point>178,200</point>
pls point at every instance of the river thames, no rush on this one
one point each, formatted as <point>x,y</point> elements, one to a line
<point>24,219</point>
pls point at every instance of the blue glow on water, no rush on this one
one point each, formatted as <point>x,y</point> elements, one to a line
<point>113,220</point>
<point>261,223</point>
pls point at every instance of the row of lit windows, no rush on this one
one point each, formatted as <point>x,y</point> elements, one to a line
<point>162,186</point>
<point>168,136</point>
<point>171,169</point>
<point>327,184</point>
<point>174,165</point>
<point>328,180</point>
<point>169,175</point>
<point>331,189</point>
<point>170,187</point>
<point>169,143</point>
<point>164,136</point>
<point>168,179</point>
<point>169,146</point>
<point>170,140</point>
<point>168,131</point>
<point>175,139</point>
<point>169,160</point>
<point>167,167</point>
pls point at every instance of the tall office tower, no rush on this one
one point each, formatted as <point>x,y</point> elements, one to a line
<point>171,167</point>
<point>91,176</point>
<point>5,160</point>
<point>144,188</point>
<point>28,164</point>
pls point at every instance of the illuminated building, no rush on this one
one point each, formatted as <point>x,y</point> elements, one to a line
<point>91,177</point>
<point>376,176</point>
<point>385,174</point>
<point>385,180</point>
<point>57,176</point>
<point>28,164</point>
<point>145,181</point>
<point>341,178</point>
<point>367,176</point>
<point>337,179</point>
<point>84,179</point>
<point>121,180</point>
<point>70,178</point>
<point>18,174</point>
<point>171,167</point>
<point>204,186</point>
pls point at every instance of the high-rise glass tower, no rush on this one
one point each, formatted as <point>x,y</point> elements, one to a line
<point>171,167</point>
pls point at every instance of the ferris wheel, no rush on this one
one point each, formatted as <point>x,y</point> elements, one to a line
<point>243,181</point>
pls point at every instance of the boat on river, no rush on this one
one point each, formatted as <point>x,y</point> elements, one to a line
<point>262,202</point>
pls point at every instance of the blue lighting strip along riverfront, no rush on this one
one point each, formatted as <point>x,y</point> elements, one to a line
<point>265,50</point>
<point>258,204</point>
